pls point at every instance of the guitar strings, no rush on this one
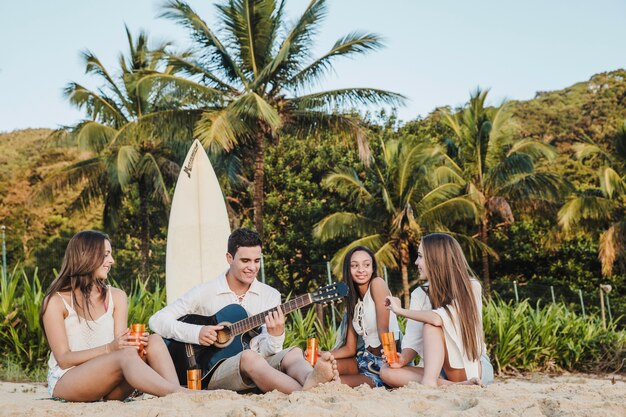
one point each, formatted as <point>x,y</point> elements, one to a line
<point>259,319</point>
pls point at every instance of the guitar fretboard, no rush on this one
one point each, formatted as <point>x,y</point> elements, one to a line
<point>258,320</point>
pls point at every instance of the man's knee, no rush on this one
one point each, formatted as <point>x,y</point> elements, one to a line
<point>251,361</point>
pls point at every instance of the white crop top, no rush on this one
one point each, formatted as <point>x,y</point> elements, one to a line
<point>85,334</point>
<point>364,321</point>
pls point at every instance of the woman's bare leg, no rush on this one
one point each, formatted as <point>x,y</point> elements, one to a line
<point>159,359</point>
<point>436,359</point>
<point>399,377</point>
<point>112,374</point>
<point>349,373</point>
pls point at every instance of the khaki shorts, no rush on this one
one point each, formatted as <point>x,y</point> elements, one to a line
<point>228,375</point>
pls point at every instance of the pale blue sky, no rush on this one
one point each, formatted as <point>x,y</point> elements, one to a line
<point>436,51</point>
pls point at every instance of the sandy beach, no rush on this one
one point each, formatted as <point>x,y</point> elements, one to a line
<point>537,395</point>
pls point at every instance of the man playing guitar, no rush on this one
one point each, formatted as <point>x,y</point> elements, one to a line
<point>263,364</point>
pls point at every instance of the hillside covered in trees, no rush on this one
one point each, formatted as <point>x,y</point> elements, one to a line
<point>532,248</point>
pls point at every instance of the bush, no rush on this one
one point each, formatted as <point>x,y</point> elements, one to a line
<point>520,337</point>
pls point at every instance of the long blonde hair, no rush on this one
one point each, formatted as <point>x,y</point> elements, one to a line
<point>449,277</point>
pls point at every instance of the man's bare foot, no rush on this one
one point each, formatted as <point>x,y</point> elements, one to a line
<point>325,370</point>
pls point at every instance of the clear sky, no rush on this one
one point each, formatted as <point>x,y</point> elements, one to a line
<point>436,52</point>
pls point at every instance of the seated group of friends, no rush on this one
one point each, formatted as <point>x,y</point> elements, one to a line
<point>94,356</point>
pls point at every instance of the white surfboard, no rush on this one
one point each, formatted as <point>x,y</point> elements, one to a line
<point>198,227</point>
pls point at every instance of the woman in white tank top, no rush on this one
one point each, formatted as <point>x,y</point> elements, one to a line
<point>85,322</point>
<point>367,318</point>
<point>445,320</point>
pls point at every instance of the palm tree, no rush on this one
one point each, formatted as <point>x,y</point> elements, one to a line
<point>254,79</point>
<point>133,132</point>
<point>397,203</point>
<point>493,167</point>
<point>604,207</point>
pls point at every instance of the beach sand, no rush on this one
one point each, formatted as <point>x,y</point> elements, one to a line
<point>536,395</point>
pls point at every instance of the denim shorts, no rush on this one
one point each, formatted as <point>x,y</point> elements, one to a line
<point>369,365</point>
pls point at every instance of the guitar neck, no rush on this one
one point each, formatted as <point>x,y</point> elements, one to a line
<point>258,320</point>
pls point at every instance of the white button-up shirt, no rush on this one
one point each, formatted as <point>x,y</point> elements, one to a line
<point>207,299</point>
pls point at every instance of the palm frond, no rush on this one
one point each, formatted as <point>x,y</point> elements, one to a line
<point>583,208</point>
<point>186,65</point>
<point>94,66</point>
<point>97,106</point>
<point>87,171</point>
<point>92,136</point>
<point>254,107</point>
<point>507,169</point>
<point>348,184</point>
<point>374,242</point>
<point>347,98</point>
<point>472,247</point>
<point>127,160</point>
<point>222,129</point>
<point>589,150</point>
<point>611,182</point>
<point>387,255</point>
<point>445,174</point>
<point>534,149</point>
<point>181,87</point>
<point>151,173</point>
<point>450,211</point>
<point>315,123</point>
<point>545,186</point>
<point>352,44</point>
<point>215,52</point>
<point>297,43</point>
<point>342,224</point>
<point>252,27</point>
<point>612,246</point>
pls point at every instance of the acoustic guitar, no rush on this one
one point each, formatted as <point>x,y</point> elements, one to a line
<point>237,332</point>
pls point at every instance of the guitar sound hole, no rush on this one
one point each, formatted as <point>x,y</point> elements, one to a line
<point>223,335</point>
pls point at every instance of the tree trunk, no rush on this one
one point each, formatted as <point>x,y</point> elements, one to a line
<point>404,266</point>
<point>144,271</point>
<point>259,177</point>
<point>485,256</point>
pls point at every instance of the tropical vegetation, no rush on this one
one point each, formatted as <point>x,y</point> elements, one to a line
<point>253,76</point>
<point>534,190</point>
<point>135,133</point>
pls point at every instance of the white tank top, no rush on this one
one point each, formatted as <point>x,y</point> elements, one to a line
<point>85,334</point>
<point>364,321</point>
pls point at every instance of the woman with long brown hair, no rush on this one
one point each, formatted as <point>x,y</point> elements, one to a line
<point>445,319</point>
<point>93,355</point>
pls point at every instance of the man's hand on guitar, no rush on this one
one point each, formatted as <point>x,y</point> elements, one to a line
<point>275,322</point>
<point>208,335</point>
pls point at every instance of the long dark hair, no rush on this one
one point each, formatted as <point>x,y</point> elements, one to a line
<point>83,256</point>
<point>353,290</point>
<point>449,278</point>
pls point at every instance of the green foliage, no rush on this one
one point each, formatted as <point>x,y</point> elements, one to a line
<point>21,337</point>
<point>521,337</point>
<point>294,203</point>
<point>142,303</point>
<point>299,327</point>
